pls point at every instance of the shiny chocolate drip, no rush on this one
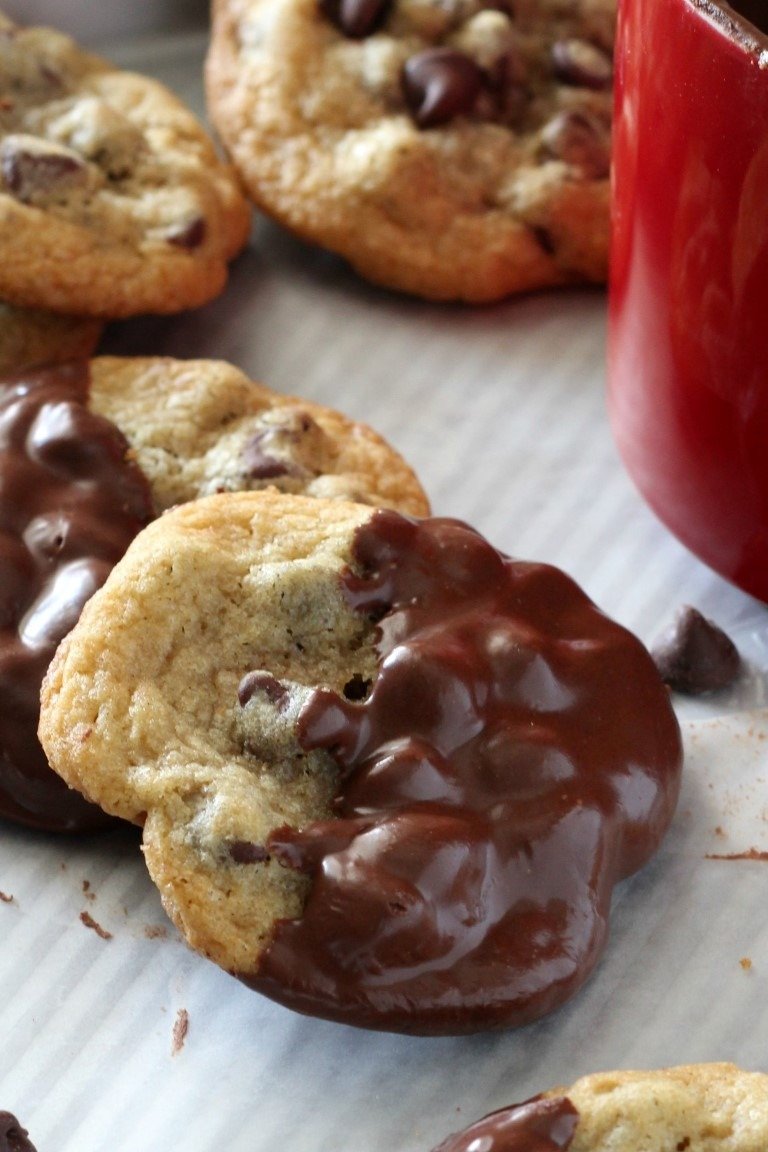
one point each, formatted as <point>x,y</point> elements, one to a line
<point>516,756</point>
<point>543,1124</point>
<point>13,1138</point>
<point>70,503</point>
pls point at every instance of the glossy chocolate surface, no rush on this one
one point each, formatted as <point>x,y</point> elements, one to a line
<point>516,756</point>
<point>537,1125</point>
<point>13,1138</point>
<point>70,503</point>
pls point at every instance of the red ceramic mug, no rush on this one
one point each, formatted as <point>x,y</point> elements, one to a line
<point>688,330</point>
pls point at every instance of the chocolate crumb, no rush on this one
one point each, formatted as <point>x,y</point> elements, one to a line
<point>180,1029</point>
<point>89,895</point>
<point>750,854</point>
<point>694,655</point>
<point>155,931</point>
<point>6,898</point>
<point>13,1138</point>
<point>89,922</point>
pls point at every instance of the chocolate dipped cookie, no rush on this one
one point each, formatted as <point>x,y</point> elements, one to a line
<point>386,775</point>
<point>113,201</point>
<point>28,336</point>
<point>698,1107</point>
<point>457,150</point>
<point>90,452</point>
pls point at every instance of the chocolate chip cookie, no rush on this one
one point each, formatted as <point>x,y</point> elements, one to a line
<point>28,337</point>
<point>89,454</point>
<point>456,149</point>
<point>698,1107</point>
<point>112,199</point>
<point>386,775</point>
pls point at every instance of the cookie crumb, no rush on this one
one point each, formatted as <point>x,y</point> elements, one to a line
<point>750,854</point>
<point>89,895</point>
<point>746,963</point>
<point>6,898</point>
<point>180,1029</point>
<point>89,922</point>
<point>155,931</point>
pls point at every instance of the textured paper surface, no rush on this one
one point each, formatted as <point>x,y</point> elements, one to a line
<point>501,411</point>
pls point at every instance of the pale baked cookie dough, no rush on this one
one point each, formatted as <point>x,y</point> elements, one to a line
<point>198,427</point>
<point>386,775</point>
<point>456,149</point>
<point>28,336</point>
<point>89,454</point>
<point>113,201</point>
<point>691,1108</point>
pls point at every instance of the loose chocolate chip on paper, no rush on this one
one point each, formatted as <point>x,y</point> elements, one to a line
<point>356,18</point>
<point>694,655</point>
<point>440,84</point>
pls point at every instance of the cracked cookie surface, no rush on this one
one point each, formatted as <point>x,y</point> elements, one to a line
<point>113,201</point>
<point>456,149</point>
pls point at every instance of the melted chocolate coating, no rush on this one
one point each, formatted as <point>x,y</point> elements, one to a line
<point>70,503</point>
<point>537,1125</point>
<point>516,756</point>
<point>13,1138</point>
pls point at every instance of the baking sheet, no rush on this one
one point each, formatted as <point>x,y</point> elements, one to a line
<point>501,411</point>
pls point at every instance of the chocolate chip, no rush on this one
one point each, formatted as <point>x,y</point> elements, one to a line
<point>260,464</point>
<point>356,18</point>
<point>37,170</point>
<point>440,84</point>
<point>245,852</point>
<point>190,235</point>
<point>266,685</point>
<point>580,140</point>
<point>582,64</point>
<point>695,656</point>
<point>271,451</point>
<point>544,239</point>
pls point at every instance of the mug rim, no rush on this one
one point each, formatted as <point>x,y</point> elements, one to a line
<point>737,27</point>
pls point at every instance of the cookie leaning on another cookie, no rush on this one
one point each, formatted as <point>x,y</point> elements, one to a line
<point>197,427</point>
<point>89,453</point>
<point>28,336</point>
<point>697,1107</point>
<point>386,775</point>
<point>454,150</point>
<point>113,201</point>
